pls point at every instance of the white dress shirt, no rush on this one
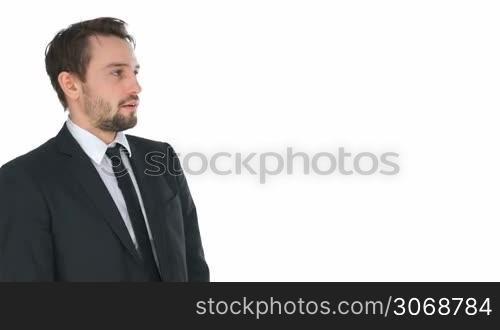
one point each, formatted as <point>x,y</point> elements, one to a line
<point>95,148</point>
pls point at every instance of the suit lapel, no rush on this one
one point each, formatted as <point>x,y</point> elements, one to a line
<point>154,191</point>
<point>84,172</point>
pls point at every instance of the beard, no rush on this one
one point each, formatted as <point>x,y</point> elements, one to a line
<point>101,114</point>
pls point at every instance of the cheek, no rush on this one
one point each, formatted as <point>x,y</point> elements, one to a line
<point>114,98</point>
<point>107,92</point>
<point>111,101</point>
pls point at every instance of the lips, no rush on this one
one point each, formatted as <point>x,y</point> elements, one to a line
<point>130,105</point>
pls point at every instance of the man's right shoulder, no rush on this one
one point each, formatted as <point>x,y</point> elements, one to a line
<point>31,161</point>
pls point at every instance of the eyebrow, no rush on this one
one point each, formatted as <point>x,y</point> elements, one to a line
<point>116,64</point>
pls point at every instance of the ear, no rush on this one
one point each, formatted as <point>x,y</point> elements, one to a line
<point>70,85</point>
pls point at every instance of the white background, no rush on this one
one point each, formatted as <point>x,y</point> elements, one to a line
<point>420,78</point>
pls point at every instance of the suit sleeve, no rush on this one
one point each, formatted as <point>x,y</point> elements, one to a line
<point>198,270</point>
<point>26,251</point>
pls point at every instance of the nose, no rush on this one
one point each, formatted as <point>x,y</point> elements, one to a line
<point>134,87</point>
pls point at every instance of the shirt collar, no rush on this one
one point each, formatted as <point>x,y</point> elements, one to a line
<point>94,147</point>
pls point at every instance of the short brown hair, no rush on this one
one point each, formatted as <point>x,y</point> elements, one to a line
<point>69,50</point>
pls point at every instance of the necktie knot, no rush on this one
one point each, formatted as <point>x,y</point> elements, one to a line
<point>113,154</point>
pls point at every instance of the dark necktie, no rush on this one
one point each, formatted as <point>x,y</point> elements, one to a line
<point>134,211</point>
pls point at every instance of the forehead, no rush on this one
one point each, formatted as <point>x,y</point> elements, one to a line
<point>110,49</point>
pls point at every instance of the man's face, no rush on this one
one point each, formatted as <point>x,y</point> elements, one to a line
<point>110,93</point>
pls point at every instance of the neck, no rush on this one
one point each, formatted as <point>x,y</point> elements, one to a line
<point>105,136</point>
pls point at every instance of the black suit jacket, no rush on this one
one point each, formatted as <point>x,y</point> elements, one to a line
<point>58,221</point>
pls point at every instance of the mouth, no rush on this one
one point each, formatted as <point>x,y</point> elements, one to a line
<point>130,106</point>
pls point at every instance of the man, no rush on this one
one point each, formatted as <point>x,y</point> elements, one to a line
<point>92,204</point>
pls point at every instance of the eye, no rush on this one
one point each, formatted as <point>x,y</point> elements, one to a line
<point>116,73</point>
